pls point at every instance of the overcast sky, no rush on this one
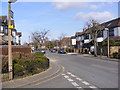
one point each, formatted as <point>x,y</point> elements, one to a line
<point>58,17</point>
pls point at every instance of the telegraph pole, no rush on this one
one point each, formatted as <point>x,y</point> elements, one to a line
<point>10,66</point>
<point>9,43</point>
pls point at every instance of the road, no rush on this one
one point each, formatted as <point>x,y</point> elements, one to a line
<point>82,72</point>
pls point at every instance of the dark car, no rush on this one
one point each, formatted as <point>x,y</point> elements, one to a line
<point>61,51</point>
<point>53,50</point>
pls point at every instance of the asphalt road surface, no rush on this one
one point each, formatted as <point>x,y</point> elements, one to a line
<point>82,72</point>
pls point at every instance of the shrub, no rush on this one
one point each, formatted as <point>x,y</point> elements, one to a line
<point>4,64</point>
<point>18,70</point>
<point>116,55</point>
<point>39,54</point>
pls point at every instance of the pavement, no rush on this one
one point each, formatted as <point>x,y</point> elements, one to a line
<point>98,57</point>
<point>53,71</point>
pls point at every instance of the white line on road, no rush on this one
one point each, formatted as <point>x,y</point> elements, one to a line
<point>86,83</point>
<point>63,74</point>
<point>69,73</point>
<point>79,87</point>
<point>70,80</point>
<point>66,76</point>
<point>75,84</point>
<point>92,87</point>
<point>73,75</point>
<point>79,79</point>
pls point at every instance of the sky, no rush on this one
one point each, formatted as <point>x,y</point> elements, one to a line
<point>58,17</point>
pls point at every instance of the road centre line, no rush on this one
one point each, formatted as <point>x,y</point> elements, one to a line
<point>66,76</point>
<point>78,87</point>
<point>92,87</point>
<point>69,73</point>
<point>70,80</point>
<point>86,83</point>
<point>79,79</point>
<point>73,75</point>
<point>63,74</point>
<point>75,84</point>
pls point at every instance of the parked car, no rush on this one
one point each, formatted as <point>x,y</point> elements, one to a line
<point>92,49</point>
<point>61,51</point>
<point>53,50</point>
<point>43,51</point>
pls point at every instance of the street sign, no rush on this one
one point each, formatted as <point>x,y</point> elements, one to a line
<point>11,14</point>
<point>10,26</point>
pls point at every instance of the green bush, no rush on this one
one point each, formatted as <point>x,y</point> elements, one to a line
<point>4,64</point>
<point>27,64</point>
<point>39,54</point>
<point>18,70</point>
<point>116,55</point>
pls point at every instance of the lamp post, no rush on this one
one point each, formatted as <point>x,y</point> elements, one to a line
<point>10,69</point>
<point>108,45</point>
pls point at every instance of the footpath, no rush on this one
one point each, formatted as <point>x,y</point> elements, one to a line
<point>53,71</point>
<point>92,56</point>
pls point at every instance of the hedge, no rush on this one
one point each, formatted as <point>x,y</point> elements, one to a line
<point>27,64</point>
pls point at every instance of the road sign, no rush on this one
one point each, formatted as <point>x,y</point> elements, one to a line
<point>10,26</point>
<point>11,14</point>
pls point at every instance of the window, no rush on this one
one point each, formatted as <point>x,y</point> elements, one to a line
<point>1,28</point>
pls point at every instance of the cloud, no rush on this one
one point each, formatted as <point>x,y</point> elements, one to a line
<point>69,5</point>
<point>99,16</point>
<point>95,7</point>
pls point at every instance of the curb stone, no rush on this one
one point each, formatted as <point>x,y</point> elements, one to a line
<point>29,80</point>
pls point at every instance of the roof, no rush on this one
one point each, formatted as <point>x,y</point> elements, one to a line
<point>65,38</point>
<point>3,19</point>
<point>113,23</point>
<point>73,37</point>
<point>19,33</point>
<point>78,33</point>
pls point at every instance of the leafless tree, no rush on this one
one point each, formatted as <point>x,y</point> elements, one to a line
<point>94,28</point>
<point>62,35</point>
<point>39,37</point>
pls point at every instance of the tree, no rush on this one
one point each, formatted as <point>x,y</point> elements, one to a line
<point>94,29</point>
<point>39,37</point>
<point>62,35</point>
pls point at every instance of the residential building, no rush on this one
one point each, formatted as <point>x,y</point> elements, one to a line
<point>65,42</point>
<point>84,39</point>
<point>4,32</point>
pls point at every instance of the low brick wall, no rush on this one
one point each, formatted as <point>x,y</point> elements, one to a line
<point>15,49</point>
<point>113,49</point>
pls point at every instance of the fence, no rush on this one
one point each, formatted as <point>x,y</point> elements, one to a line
<point>15,49</point>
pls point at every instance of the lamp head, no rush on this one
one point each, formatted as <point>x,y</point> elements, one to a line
<point>11,1</point>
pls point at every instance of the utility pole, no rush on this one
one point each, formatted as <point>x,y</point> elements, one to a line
<point>10,69</point>
<point>108,45</point>
<point>108,42</point>
<point>9,43</point>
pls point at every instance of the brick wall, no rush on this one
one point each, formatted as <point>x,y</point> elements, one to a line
<point>15,49</point>
<point>112,50</point>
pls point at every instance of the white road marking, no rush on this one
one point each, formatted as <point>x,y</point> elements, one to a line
<point>92,87</point>
<point>79,87</point>
<point>75,84</point>
<point>63,74</point>
<point>69,73</point>
<point>73,75</point>
<point>66,76</point>
<point>79,79</point>
<point>86,83</point>
<point>70,80</point>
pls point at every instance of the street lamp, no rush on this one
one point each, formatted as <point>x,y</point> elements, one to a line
<point>9,40</point>
<point>108,41</point>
